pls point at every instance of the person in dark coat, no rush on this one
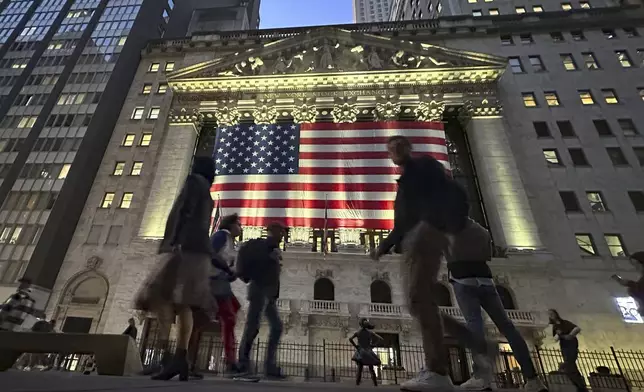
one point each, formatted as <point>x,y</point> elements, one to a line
<point>131,329</point>
<point>180,282</point>
<point>364,355</point>
<point>565,332</point>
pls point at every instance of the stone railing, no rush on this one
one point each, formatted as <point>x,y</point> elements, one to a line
<point>284,305</point>
<point>324,307</point>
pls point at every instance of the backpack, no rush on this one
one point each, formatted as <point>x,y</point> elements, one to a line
<point>252,257</point>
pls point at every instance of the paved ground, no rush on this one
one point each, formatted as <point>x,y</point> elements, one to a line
<point>16,381</point>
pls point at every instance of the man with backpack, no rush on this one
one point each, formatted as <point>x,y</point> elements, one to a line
<point>258,264</point>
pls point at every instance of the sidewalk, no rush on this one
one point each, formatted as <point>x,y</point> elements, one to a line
<point>16,381</point>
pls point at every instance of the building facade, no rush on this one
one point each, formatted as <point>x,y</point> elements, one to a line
<point>543,118</point>
<point>366,11</point>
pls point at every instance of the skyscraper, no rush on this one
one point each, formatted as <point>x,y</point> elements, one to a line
<point>365,11</point>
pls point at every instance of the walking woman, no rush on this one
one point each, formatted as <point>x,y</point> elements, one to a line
<point>364,355</point>
<point>565,332</point>
<point>180,283</point>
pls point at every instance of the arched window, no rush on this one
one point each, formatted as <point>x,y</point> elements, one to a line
<point>443,296</point>
<point>506,297</point>
<point>323,290</point>
<point>380,292</point>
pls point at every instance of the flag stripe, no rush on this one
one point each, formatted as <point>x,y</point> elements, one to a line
<point>320,179</point>
<point>361,133</point>
<point>292,221</point>
<point>308,204</point>
<point>398,126</point>
<point>346,146</point>
<point>302,195</point>
<point>369,140</point>
<point>250,189</point>
<point>343,171</point>
<point>318,213</point>
<point>359,155</point>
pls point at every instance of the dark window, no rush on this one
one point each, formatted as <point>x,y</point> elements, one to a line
<point>631,32</point>
<point>541,128</point>
<point>526,38</point>
<point>578,35</point>
<point>637,198</point>
<point>570,201</point>
<point>639,153</point>
<point>602,127</point>
<point>506,298</point>
<point>609,33</point>
<point>557,37</point>
<point>380,292</point>
<point>506,40</point>
<point>628,127</point>
<point>616,156</point>
<point>566,129</point>
<point>578,157</point>
<point>442,295</point>
<point>323,290</point>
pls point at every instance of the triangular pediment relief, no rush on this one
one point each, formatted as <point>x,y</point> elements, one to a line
<point>326,50</point>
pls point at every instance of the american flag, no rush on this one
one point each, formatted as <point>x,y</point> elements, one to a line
<point>315,175</point>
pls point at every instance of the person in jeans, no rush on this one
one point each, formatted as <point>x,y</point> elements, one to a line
<point>430,207</point>
<point>474,289</point>
<point>565,332</point>
<point>263,292</point>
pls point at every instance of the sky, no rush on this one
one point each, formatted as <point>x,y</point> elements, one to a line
<point>294,13</point>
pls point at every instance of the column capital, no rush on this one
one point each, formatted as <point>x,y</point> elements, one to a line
<point>265,112</point>
<point>185,115</point>
<point>345,112</point>
<point>430,111</point>
<point>388,108</point>
<point>227,114</point>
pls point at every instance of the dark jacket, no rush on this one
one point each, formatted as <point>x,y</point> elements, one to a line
<point>469,252</point>
<point>132,331</point>
<point>188,224</point>
<point>426,193</point>
<point>268,282</point>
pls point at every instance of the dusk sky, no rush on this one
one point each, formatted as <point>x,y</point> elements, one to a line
<point>292,13</point>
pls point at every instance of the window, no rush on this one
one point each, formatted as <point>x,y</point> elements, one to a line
<point>616,156</point>
<point>94,234</point>
<point>537,8</point>
<point>108,199</point>
<point>586,244</point>
<point>640,91</point>
<point>586,97</point>
<point>551,98</point>
<point>506,40</point>
<point>584,4</point>
<point>27,122</point>
<point>615,245</point>
<point>541,128</point>
<point>126,200</point>
<point>163,87</point>
<point>477,13</point>
<point>578,157</point>
<point>566,6</point>
<point>145,139</point>
<point>169,66</point>
<point>122,41</point>
<point>147,88</point>
<point>568,62</point>
<point>529,100</point>
<point>154,113</point>
<point>515,65</point>
<point>119,168</point>
<point>64,171</point>
<point>128,140</point>
<point>520,10</point>
<point>609,33</point>
<point>557,37</point>
<point>566,129</point>
<point>590,61</point>
<point>639,153</point>
<point>154,67</point>
<point>570,202</point>
<point>552,157</point>
<point>631,32</point>
<point>136,169</point>
<point>596,201</point>
<point>137,113</point>
<point>537,64</point>
<point>113,235</point>
<point>526,38</point>
<point>637,198</point>
<point>602,127</point>
<point>610,96</point>
<point>628,126</point>
<point>494,11</point>
<point>623,58</point>
<point>578,35</point>
<point>471,1</point>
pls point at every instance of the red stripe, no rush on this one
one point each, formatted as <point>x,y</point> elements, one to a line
<point>361,155</point>
<point>348,171</point>
<point>309,204</point>
<point>381,224</point>
<point>305,187</point>
<point>370,140</point>
<point>372,125</point>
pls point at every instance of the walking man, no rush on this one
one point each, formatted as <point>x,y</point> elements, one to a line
<point>430,207</point>
<point>474,289</point>
<point>565,332</point>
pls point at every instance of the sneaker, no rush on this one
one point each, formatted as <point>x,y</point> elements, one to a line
<point>534,385</point>
<point>484,365</point>
<point>476,384</point>
<point>275,374</point>
<point>428,381</point>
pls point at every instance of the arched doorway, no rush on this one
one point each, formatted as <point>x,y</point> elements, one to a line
<point>506,298</point>
<point>324,290</point>
<point>380,292</point>
<point>81,306</point>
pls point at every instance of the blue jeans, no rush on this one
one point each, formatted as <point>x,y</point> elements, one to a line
<point>471,299</point>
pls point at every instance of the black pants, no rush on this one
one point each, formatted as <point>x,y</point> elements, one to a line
<point>359,374</point>
<point>570,354</point>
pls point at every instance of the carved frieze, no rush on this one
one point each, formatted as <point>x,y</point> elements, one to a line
<point>346,112</point>
<point>265,113</point>
<point>381,275</point>
<point>185,116</point>
<point>388,110</point>
<point>304,113</point>
<point>430,111</point>
<point>227,115</point>
<point>94,263</point>
<point>324,274</point>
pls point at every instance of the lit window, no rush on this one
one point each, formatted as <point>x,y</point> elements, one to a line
<point>506,40</point>
<point>169,66</point>
<point>551,98</point>
<point>552,157</point>
<point>145,139</point>
<point>628,127</point>
<point>615,245</point>
<point>515,65</point>
<point>590,61</point>
<point>609,33</point>
<point>557,37</point>
<point>596,201</point>
<point>128,140</point>
<point>163,87</point>
<point>578,35</point>
<point>136,169</point>
<point>610,96</point>
<point>568,62</point>
<point>537,8</point>
<point>27,122</point>
<point>566,6</point>
<point>586,97</point>
<point>154,113</point>
<point>586,244</point>
<point>147,88</point>
<point>494,11</point>
<point>15,236</point>
<point>119,167</point>
<point>537,64</point>
<point>471,1</point>
<point>520,10</point>
<point>126,200</point>
<point>6,232</point>
<point>584,4</point>
<point>122,41</point>
<point>154,67</point>
<point>108,199</point>
<point>640,91</point>
<point>623,58</point>
<point>64,171</point>
<point>137,113</point>
<point>477,13</point>
<point>529,100</point>
<point>631,32</point>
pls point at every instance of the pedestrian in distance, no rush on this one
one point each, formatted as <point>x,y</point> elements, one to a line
<point>364,355</point>
<point>131,329</point>
<point>565,332</point>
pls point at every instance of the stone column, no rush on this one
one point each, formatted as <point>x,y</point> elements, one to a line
<point>173,165</point>
<point>506,202</point>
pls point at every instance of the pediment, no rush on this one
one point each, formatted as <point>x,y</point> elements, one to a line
<point>328,50</point>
